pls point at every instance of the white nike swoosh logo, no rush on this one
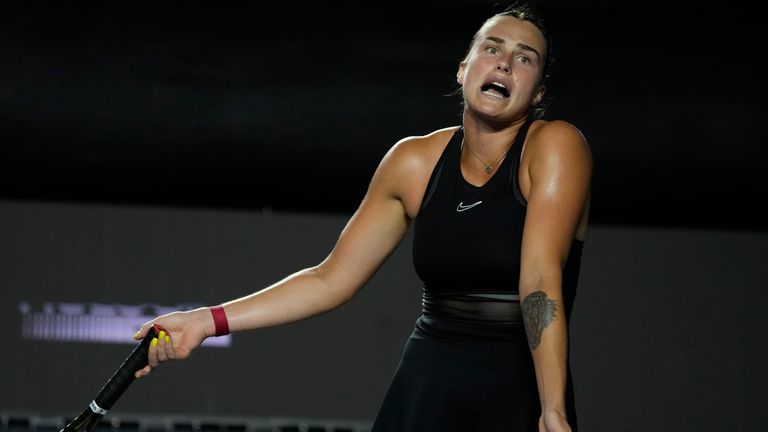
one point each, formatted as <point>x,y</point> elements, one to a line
<point>463,207</point>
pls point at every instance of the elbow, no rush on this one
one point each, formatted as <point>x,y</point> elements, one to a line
<point>549,282</point>
<point>335,287</point>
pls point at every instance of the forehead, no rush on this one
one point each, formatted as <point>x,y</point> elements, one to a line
<point>513,30</point>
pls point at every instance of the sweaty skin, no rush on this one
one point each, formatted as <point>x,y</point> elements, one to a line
<point>501,79</point>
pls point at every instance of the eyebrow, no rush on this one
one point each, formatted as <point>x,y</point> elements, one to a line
<point>520,45</point>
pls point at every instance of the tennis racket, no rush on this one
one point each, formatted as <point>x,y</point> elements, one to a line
<point>114,388</point>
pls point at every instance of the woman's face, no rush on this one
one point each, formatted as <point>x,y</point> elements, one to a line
<point>501,75</point>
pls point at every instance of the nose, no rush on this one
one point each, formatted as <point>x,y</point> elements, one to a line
<point>502,65</point>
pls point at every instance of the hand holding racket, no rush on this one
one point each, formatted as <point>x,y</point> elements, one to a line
<point>181,333</point>
<point>114,388</point>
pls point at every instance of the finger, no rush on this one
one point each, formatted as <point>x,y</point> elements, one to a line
<point>152,353</point>
<point>140,334</point>
<point>143,371</point>
<point>169,351</point>
<point>160,342</point>
<point>142,331</point>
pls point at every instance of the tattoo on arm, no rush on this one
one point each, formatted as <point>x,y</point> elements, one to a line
<point>538,313</point>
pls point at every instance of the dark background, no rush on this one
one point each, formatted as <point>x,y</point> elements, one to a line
<point>184,153</point>
<point>290,106</point>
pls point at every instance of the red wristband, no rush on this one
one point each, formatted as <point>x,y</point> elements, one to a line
<point>220,320</point>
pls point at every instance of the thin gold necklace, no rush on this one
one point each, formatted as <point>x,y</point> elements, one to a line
<point>488,167</point>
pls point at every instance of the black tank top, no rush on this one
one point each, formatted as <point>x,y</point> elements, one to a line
<point>467,241</point>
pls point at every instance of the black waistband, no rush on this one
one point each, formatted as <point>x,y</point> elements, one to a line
<point>471,317</point>
<point>489,308</point>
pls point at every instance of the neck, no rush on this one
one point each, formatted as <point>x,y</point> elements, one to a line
<point>488,141</point>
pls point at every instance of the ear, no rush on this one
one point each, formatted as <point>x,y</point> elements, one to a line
<point>539,95</point>
<point>460,74</point>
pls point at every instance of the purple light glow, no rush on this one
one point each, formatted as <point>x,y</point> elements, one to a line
<point>97,323</point>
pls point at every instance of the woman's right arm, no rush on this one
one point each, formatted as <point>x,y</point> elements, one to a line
<point>366,241</point>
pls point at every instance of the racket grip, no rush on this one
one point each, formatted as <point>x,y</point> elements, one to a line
<point>125,374</point>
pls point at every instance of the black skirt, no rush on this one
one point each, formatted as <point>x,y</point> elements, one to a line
<point>445,383</point>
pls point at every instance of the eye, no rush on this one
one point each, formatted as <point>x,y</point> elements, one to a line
<point>492,50</point>
<point>524,59</point>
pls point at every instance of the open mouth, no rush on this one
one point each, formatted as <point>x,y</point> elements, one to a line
<point>495,89</point>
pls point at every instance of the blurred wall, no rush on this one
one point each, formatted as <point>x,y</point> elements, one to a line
<point>665,329</point>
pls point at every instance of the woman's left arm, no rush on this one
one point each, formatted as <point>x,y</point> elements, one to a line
<point>559,171</point>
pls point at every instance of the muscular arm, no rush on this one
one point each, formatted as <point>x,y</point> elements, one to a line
<point>559,171</point>
<point>366,241</point>
<point>369,237</point>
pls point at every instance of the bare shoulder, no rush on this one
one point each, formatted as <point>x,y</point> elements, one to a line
<point>412,155</point>
<point>414,148</point>
<point>557,138</point>
<point>554,150</point>
<point>408,165</point>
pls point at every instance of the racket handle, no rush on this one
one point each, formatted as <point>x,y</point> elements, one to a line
<point>125,374</point>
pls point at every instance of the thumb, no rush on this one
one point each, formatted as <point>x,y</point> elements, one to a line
<point>143,330</point>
